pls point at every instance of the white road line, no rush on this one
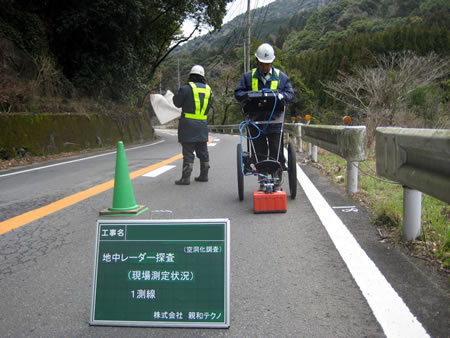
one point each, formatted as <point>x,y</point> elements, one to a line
<point>211,144</point>
<point>77,160</point>
<point>159,171</point>
<point>350,206</point>
<point>391,312</point>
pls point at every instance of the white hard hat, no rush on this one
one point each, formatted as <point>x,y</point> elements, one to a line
<point>197,69</point>
<point>265,53</point>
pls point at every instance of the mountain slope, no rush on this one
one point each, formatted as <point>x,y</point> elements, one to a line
<point>265,21</point>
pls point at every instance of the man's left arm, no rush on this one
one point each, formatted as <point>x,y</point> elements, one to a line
<point>179,97</point>
<point>285,88</point>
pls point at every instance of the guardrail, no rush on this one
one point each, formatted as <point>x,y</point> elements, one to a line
<point>294,131</point>
<point>348,142</point>
<point>225,129</point>
<point>419,159</point>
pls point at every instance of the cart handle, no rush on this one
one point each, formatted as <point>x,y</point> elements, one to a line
<point>245,123</point>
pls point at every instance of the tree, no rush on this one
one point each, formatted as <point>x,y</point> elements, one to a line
<point>378,94</point>
<point>112,48</point>
<point>225,109</point>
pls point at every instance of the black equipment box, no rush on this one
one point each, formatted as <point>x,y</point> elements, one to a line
<point>260,104</point>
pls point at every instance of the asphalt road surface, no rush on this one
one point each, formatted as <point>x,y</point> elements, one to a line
<point>318,270</point>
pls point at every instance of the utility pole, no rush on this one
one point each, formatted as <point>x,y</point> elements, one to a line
<point>245,57</point>
<point>178,67</point>
<point>247,43</point>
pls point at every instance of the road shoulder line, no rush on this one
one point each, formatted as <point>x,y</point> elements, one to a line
<point>391,312</point>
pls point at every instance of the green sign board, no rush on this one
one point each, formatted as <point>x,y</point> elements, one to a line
<point>172,273</point>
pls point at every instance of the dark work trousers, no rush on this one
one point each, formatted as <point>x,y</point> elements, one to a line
<point>266,142</point>
<point>201,149</point>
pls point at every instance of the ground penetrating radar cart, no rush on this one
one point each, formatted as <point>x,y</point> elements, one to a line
<point>263,110</point>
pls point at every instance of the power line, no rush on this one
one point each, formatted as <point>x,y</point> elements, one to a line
<point>263,20</point>
<point>232,14</point>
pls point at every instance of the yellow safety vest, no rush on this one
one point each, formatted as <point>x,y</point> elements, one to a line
<point>273,84</point>
<point>199,109</point>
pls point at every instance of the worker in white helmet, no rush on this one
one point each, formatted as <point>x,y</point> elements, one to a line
<point>195,98</point>
<point>266,77</point>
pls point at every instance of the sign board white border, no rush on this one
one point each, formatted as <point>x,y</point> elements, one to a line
<point>225,324</point>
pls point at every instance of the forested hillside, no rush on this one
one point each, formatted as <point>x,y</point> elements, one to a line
<point>102,50</point>
<point>352,36</point>
<point>342,42</point>
<point>382,62</point>
<point>265,22</point>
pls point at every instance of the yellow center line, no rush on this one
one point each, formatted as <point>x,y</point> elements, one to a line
<point>33,215</point>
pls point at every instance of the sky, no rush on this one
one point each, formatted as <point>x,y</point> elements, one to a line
<point>233,9</point>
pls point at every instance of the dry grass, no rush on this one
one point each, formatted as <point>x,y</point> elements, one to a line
<point>384,201</point>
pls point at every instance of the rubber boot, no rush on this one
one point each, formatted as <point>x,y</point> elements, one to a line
<point>204,167</point>
<point>185,174</point>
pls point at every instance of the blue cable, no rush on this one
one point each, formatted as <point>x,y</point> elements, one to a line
<point>245,123</point>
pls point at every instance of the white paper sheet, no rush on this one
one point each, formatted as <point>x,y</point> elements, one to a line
<point>164,108</point>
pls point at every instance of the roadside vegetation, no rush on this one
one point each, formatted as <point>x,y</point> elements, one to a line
<point>384,200</point>
<point>107,50</point>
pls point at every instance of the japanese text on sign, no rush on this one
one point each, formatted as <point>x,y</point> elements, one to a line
<point>161,273</point>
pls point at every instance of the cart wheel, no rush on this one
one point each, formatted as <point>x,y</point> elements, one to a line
<point>240,175</point>
<point>292,170</point>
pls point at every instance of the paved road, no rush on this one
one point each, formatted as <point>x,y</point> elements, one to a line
<point>290,276</point>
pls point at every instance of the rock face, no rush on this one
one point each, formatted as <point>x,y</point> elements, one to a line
<point>43,134</point>
<point>38,117</point>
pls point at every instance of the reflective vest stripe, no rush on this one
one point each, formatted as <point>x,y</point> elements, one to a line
<point>273,84</point>
<point>199,109</point>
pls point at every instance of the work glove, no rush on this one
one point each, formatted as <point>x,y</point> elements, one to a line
<point>280,96</point>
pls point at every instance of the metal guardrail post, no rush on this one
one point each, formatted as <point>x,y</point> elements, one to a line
<point>314,153</point>
<point>352,176</point>
<point>412,210</point>
<point>419,159</point>
<point>293,131</point>
<point>347,142</point>
<point>299,138</point>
